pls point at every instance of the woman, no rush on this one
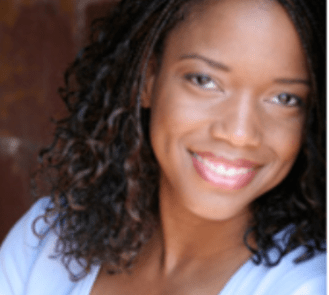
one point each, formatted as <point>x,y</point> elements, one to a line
<point>192,161</point>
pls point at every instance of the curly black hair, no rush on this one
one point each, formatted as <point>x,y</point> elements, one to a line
<point>104,176</point>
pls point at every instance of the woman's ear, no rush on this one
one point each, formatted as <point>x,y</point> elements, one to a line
<point>149,83</point>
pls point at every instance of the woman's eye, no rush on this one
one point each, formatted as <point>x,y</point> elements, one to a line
<point>202,81</point>
<point>288,100</point>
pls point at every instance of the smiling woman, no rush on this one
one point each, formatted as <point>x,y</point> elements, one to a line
<point>216,108</point>
<point>192,160</point>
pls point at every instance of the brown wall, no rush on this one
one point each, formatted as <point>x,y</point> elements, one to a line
<point>38,39</point>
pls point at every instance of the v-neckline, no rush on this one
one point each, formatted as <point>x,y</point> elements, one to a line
<point>89,284</point>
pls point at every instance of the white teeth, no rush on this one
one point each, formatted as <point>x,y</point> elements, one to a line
<point>221,170</point>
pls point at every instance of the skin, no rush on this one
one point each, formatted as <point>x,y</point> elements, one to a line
<point>217,90</point>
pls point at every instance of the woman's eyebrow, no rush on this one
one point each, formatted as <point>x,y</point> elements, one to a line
<point>225,68</point>
<point>212,63</point>
<point>293,81</point>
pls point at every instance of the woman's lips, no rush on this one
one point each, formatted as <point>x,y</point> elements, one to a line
<point>224,173</point>
<point>233,163</point>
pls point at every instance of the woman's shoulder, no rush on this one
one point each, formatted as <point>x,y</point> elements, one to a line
<point>298,278</point>
<point>286,278</point>
<point>20,249</point>
<point>26,266</point>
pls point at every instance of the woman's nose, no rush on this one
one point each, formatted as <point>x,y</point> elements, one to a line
<point>237,121</point>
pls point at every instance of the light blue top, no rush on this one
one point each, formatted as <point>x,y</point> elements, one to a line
<point>26,269</point>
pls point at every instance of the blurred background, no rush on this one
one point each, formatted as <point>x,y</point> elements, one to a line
<point>38,40</point>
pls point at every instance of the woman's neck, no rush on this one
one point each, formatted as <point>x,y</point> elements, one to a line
<point>186,238</point>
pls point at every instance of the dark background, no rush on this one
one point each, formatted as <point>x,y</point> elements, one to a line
<point>38,39</point>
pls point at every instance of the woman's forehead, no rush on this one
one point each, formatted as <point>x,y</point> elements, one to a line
<point>236,30</point>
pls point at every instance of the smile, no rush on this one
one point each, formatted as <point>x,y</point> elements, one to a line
<point>221,169</point>
<point>223,173</point>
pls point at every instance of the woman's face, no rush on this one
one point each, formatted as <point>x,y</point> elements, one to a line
<point>227,107</point>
